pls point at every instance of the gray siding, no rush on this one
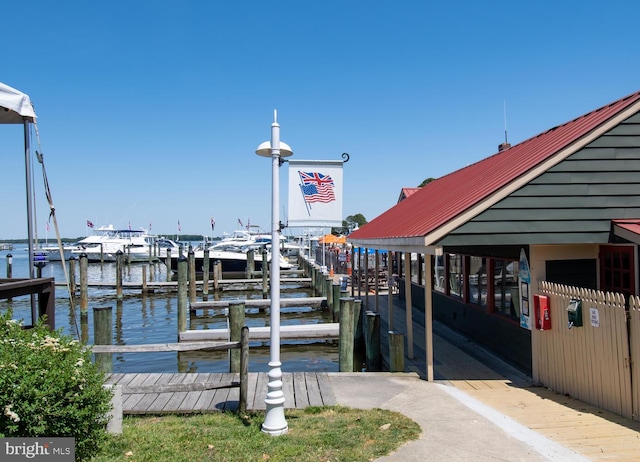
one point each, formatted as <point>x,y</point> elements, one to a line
<point>573,202</point>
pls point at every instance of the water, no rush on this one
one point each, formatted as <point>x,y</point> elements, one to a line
<point>152,318</point>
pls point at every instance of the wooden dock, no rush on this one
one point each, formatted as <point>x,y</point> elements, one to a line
<point>170,393</point>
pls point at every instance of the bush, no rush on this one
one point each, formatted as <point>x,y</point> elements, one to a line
<point>49,387</point>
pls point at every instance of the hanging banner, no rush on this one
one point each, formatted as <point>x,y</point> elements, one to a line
<point>524,282</point>
<point>315,193</point>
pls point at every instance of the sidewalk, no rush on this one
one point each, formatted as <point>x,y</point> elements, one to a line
<point>481,408</point>
<point>455,426</point>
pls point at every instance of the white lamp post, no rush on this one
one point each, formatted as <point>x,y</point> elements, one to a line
<point>274,423</point>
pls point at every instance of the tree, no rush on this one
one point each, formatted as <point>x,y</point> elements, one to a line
<point>427,181</point>
<point>349,223</point>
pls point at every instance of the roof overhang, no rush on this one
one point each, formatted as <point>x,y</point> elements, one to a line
<point>403,244</point>
<point>628,229</point>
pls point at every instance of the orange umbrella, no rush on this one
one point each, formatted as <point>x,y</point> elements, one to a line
<point>332,239</point>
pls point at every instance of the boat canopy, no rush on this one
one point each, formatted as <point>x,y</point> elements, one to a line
<point>17,106</point>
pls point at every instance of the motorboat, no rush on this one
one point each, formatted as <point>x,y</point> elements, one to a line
<point>233,259</point>
<point>104,244</point>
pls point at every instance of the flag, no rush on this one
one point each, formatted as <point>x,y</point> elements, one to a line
<point>149,226</point>
<point>213,223</point>
<point>47,226</point>
<point>179,228</point>
<point>240,223</point>
<point>89,224</point>
<point>317,187</point>
<point>129,226</point>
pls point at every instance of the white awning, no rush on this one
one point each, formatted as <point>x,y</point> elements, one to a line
<point>15,106</point>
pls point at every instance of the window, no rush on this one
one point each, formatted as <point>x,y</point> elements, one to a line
<point>456,276</point>
<point>506,294</point>
<point>478,281</point>
<point>617,269</point>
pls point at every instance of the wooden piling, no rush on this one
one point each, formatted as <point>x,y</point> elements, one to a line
<point>205,272</point>
<point>372,341</point>
<point>244,368</point>
<point>102,320</point>
<point>9,270</point>
<point>119,258</point>
<point>334,306</point>
<point>236,322</point>
<point>265,274</point>
<point>167,263</point>
<point>182,295</point>
<point>346,335</point>
<point>84,289</point>
<point>72,277</point>
<point>144,279</point>
<point>192,275</point>
<point>358,319</point>
<point>396,352</point>
<point>250,264</point>
<point>216,274</point>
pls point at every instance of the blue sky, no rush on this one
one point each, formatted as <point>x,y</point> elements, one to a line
<point>151,111</point>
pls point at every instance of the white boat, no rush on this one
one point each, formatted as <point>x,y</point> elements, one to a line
<point>104,244</point>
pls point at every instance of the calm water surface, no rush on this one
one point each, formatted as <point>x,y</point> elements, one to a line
<point>152,318</point>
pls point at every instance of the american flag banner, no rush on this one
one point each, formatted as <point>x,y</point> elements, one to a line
<point>315,193</point>
<point>316,187</point>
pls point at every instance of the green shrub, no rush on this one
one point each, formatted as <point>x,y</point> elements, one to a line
<point>49,387</point>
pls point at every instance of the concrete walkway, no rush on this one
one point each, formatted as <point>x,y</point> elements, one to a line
<point>479,407</point>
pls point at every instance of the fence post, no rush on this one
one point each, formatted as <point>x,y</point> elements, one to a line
<point>236,321</point>
<point>182,294</point>
<point>346,335</point>
<point>102,319</point>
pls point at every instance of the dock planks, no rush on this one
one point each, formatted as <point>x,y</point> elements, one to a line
<point>146,393</point>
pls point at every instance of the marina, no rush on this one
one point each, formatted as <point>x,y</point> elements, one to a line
<point>151,317</point>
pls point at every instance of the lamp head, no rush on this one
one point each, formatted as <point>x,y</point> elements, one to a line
<point>264,149</point>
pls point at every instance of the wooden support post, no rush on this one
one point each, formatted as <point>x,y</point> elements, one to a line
<point>205,272</point>
<point>346,335</point>
<point>102,319</point>
<point>428,316</point>
<point>167,263</point>
<point>236,321</point>
<point>144,279</point>
<point>366,278</point>
<point>119,258</point>
<point>192,275</point>
<point>358,319</point>
<point>372,341</point>
<point>217,274</point>
<point>250,264</point>
<point>390,308</point>
<point>396,352</point>
<point>72,277</point>
<point>182,295</point>
<point>377,283</point>
<point>335,302</point>
<point>265,274</point>
<point>244,368</point>
<point>84,288</point>
<point>408,303</point>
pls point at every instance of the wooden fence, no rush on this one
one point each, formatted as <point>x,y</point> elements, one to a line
<point>591,362</point>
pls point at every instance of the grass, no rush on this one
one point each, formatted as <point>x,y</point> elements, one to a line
<point>318,434</point>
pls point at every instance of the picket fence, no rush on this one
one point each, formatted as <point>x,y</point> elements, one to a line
<point>594,363</point>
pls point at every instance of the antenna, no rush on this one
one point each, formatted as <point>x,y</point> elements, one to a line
<point>505,122</point>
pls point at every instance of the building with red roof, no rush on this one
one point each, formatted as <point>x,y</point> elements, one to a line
<point>553,208</point>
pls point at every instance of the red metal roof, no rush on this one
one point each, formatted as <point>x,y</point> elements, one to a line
<point>442,200</point>
<point>406,192</point>
<point>630,224</point>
